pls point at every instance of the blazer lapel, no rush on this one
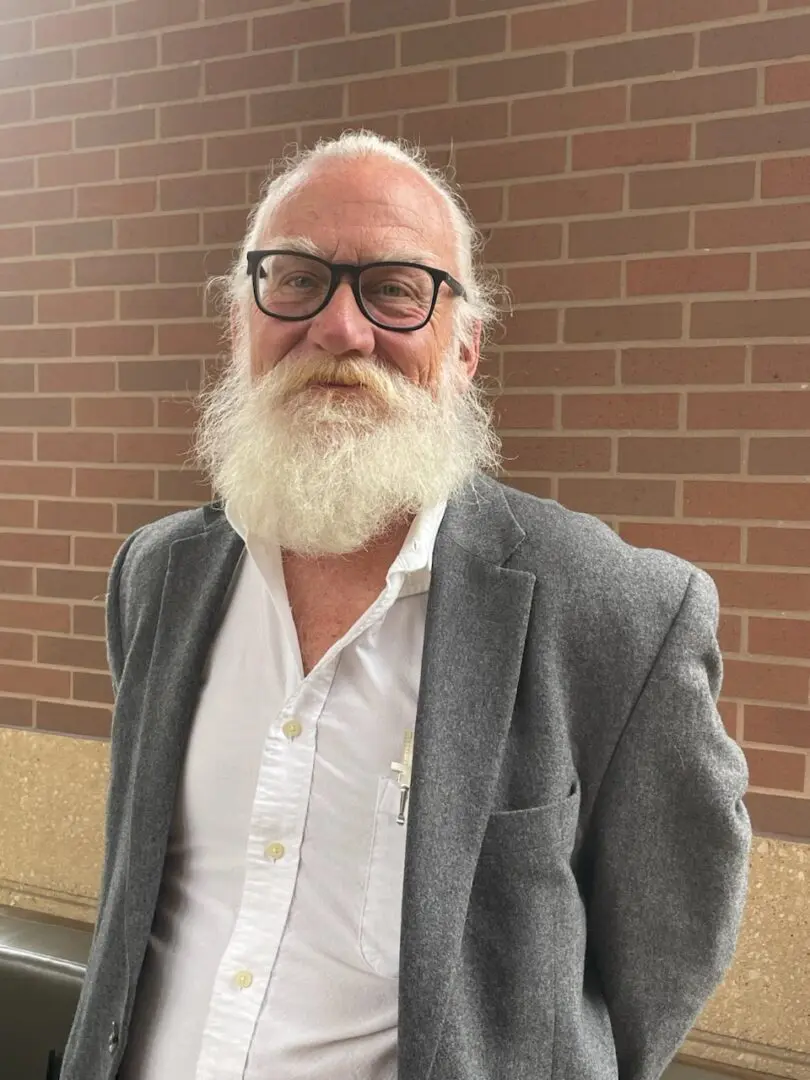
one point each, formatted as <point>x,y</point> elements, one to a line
<point>199,572</point>
<point>477,620</point>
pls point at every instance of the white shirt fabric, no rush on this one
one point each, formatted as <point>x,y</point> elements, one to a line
<point>274,951</point>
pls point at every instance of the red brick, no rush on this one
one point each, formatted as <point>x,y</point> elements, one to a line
<point>74,237</point>
<point>36,69</point>
<point>72,653</point>
<point>36,681</point>
<point>19,647</point>
<point>633,498</point>
<point>634,59</point>
<point>657,14</point>
<point>34,615</point>
<point>781,363</point>
<point>73,719</point>
<point>36,275</point>
<point>204,42</point>
<point>369,15</point>
<point>88,687</point>
<point>35,343</point>
<point>115,412</point>
<point>73,99</point>
<point>785,176</point>
<point>289,106</point>
<point>569,110</point>
<point>179,413</point>
<point>779,547</point>
<point>73,376</point>
<point>679,455</point>
<point>138,16</point>
<point>16,243</point>
<point>681,366</point>
<point>74,27</point>
<point>83,167</point>
<point>632,146</point>
<point>182,486</point>
<point>742,319</point>
<point>18,37</point>
<point>159,231</point>
<point>457,124</point>
<point>762,133</point>
<point>16,580</point>
<point>508,244</point>
<point>16,310</point>
<point>114,340</point>
<point>741,500</point>
<point>163,303</point>
<point>154,449</point>
<point>16,106</point>
<point>558,453</point>
<point>623,322</point>
<point>115,483</point>
<point>485,204</point>
<point>531,326</point>
<point>766,682</point>
<point>760,39</point>
<point>202,117</point>
<point>35,412</point>
<point>539,486</point>
<point>16,514</point>
<point>116,129</point>
<point>634,234</point>
<point>572,281</point>
<point>185,267</point>
<point>115,270</point>
<point>779,457</point>
<point>510,160</point>
<point>161,159</point>
<point>692,95</point>
<point>144,376</point>
<point>752,226</point>
<point>617,411</point>
<point>773,724</point>
<point>158,87</point>
<point>219,189</point>
<point>189,339</point>
<point>407,91</point>
<point>692,184</point>
<point>565,198</point>
<point>95,550</point>
<point>75,307</point>
<point>515,75</point>
<point>74,516</point>
<point>75,446</point>
<point>569,22</point>
<point>590,367</point>
<point>453,41</point>
<point>131,516</point>
<point>255,72</point>
<point>783,269</point>
<point>387,126</point>
<point>524,411</point>
<point>780,637</point>
<point>787,82</point>
<point>749,409</point>
<point>688,274</point>
<point>26,140</point>
<point>755,590</point>
<point>36,206</point>
<point>33,548</point>
<point>17,378</point>
<point>729,636</point>
<point>776,769</point>
<point>116,57</point>
<point>16,446</point>
<point>299,27</point>
<point>246,151</point>
<point>697,543</point>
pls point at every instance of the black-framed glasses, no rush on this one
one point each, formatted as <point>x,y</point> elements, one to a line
<point>397,296</point>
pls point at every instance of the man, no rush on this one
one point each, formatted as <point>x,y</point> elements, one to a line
<point>413,775</point>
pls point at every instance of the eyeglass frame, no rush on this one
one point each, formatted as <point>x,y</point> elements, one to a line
<point>338,272</point>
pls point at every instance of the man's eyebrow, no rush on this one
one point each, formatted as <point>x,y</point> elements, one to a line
<point>392,254</point>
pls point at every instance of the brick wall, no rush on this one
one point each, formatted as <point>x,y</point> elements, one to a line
<point>642,170</point>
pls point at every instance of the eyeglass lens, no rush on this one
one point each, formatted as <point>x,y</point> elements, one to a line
<point>295,286</point>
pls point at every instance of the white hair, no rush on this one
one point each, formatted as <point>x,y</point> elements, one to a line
<point>480,306</point>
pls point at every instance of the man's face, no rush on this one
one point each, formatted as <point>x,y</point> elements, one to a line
<point>362,211</point>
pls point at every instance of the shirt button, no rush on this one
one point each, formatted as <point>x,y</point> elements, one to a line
<point>274,851</point>
<point>243,980</point>
<point>292,729</point>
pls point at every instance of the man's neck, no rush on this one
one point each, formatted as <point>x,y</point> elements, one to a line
<point>367,566</point>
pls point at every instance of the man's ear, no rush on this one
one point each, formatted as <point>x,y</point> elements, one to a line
<point>471,354</point>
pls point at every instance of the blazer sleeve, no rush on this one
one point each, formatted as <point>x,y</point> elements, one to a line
<point>671,848</point>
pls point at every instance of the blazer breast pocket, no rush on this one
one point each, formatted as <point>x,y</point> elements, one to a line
<point>533,831</point>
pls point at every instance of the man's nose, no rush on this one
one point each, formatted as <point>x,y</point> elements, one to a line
<point>342,327</point>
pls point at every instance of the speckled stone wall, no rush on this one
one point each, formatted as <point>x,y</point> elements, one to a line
<point>52,797</point>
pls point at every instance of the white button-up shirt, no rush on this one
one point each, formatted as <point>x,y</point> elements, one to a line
<point>275,946</point>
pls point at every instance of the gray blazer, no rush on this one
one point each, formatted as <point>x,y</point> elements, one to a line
<point>577,845</point>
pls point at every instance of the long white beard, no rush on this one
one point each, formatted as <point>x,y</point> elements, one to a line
<point>325,472</point>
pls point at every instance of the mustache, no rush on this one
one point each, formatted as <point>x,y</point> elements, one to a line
<point>291,377</point>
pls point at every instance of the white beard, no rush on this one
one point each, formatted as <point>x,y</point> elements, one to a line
<point>326,472</point>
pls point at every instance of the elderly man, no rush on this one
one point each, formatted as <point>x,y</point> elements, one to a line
<point>413,775</point>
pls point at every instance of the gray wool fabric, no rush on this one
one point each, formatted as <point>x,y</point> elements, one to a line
<point>577,846</point>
